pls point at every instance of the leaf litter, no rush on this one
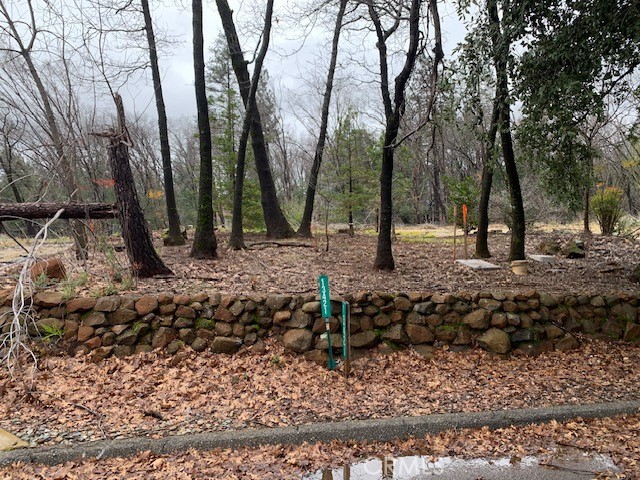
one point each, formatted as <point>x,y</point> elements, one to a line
<point>73,400</point>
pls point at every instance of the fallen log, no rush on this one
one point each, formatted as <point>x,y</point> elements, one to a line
<point>32,211</point>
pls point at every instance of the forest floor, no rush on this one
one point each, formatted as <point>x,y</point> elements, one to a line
<point>423,256</point>
<point>153,395</point>
<point>72,401</point>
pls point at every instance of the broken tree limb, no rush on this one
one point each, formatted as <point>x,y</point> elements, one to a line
<point>32,211</point>
<point>144,260</point>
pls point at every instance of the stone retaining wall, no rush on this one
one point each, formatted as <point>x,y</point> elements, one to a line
<point>497,321</point>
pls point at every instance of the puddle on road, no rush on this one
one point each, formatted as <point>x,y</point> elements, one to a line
<point>564,464</point>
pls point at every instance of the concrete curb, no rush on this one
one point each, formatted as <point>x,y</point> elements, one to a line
<point>382,430</point>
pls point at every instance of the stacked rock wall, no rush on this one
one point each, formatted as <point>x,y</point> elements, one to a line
<point>497,321</point>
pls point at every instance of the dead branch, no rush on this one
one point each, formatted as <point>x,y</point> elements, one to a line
<point>275,243</point>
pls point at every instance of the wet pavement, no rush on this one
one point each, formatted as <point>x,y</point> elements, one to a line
<point>564,464</point>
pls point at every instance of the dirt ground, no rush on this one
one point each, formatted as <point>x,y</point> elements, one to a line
<point>423,255</point>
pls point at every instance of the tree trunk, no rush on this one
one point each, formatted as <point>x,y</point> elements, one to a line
<point>236,241</point>
<point>501,44</point>
<point>384,254</point>
<point>174,237</point>
<point>393,113</point>
<point>276,222</point>
<point>205,244</point>
<point>144,260</point>
<point>587,195</point>
<point>305,224</point>
<point>32,211</point>
<point>482,238</point>
<point>516,249</point>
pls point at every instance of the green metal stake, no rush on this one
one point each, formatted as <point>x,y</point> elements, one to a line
<point>346,340</point>
<point>325,308</point>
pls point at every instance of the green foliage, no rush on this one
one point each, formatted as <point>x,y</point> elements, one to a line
<point>70,285</point>
<point>464,192</point>
<point>50,332</point>
<point>276,361</point>
<point>347,183</point>
<point>252,216</point>
<point>607,207</point>
<point>41,281</point>
<point>576,59</point>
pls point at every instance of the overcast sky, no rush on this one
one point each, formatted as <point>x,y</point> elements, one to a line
<point>176,63</point>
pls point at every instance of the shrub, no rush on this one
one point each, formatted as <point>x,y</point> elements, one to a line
<point>607,207</point>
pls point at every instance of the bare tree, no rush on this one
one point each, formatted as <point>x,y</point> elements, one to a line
<point>236,240</point>
<point>174,236</point>
<point>305,224</point>
<point>22,37</point>
<point>394,110</point>
<point>8,162</point>
<point>276,222</point>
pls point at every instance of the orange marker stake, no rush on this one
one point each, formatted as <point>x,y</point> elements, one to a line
<point>465,211</point>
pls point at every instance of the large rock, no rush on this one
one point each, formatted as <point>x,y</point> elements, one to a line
<point>85,333</point>
<point>227,345</point>
<point>568,342</point>
<point>624,312</point>
<point>279,318</point>
<point>277,302</point>
<point>199,344</point>
<point>146,305</point>
<point>495,340</point>
<point>364,339</point>
<point>128,337</point>
<point>185,312</point>
<point>107,304</point>
<point>550,247</point>
<point>299,319</point>
<point>95,319</point>
<point>163,337</point>
<point>297,340</point>
<point>419,333</point>
<point>632,332</point>
<point>51,268</point>
<point>336,342</point>
<point>478,319</point>
<point>574,249</point>
<point>83,304</point>
<point>424,308</point>
<point>403,304</point>
<point>224,315</point>
<point>311,307</point>
<point>48,299</point>
<point>122,315</point>
<point>612,329</point>
<point>50,325</point>
<point>463,337</point>
<point>446,333</point>
<point>553,331</point>
<point>396,334</point>
<point>223,329</point>
<point>490,304</point>
<point>548,300</point>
